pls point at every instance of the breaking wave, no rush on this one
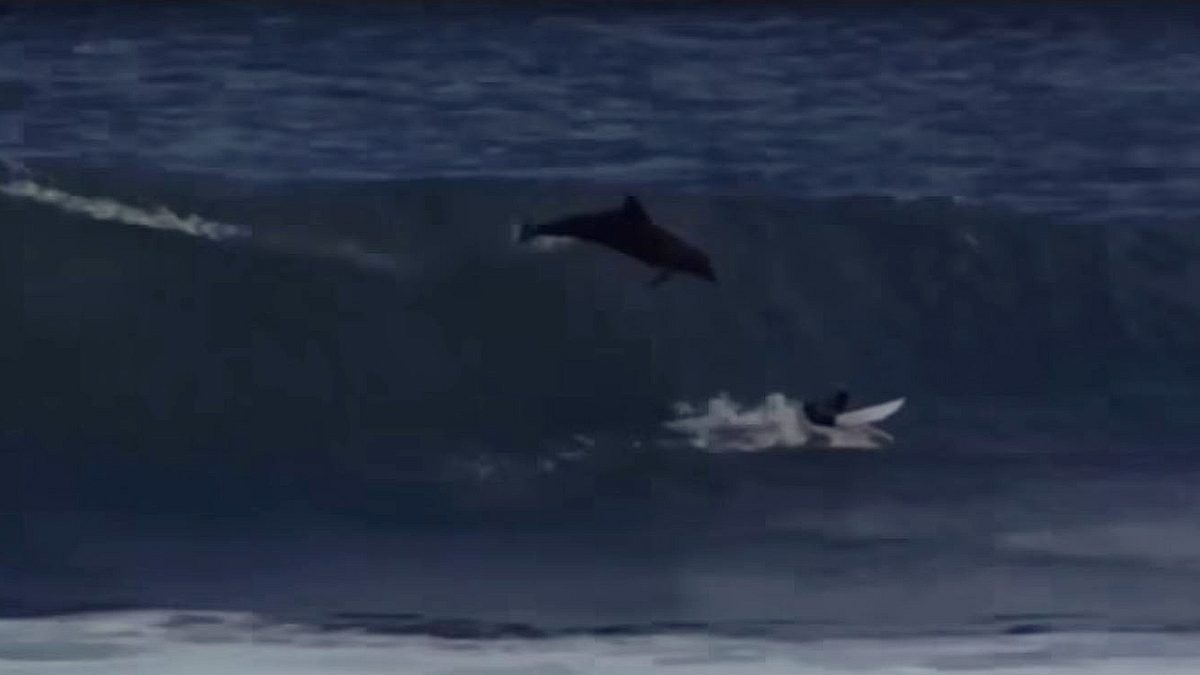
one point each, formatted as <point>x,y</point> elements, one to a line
<point>176,642</point>
<point>392,333</point>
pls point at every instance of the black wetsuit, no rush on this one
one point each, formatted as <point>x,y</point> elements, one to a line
<point>825,412</point>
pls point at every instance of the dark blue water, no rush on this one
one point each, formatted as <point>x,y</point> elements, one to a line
<point>275,349</point>
<point>1058,109</point>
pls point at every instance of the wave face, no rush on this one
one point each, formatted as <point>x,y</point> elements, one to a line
<point>458,328</point>
<point>355,318</point>
<point>407,305</point>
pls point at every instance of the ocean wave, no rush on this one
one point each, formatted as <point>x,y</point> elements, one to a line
<point>169,642</point>
<point>394,329</point>
<point>754,96</point>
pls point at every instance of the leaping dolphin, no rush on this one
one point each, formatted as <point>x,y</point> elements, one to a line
<point>628,229</point>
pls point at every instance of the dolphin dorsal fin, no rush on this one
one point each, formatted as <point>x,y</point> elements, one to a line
<point>633,207</point>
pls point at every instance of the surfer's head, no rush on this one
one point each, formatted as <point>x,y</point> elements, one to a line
<point>841,399</point>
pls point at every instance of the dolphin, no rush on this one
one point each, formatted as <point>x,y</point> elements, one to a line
<point>628,229</point>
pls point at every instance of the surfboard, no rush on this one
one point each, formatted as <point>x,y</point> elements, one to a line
<point>870,414</point>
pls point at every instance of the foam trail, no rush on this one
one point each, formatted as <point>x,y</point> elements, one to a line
<point>103,208</point>
<point>162,218</point>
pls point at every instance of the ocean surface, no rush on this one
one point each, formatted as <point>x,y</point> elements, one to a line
<point>282,395</point>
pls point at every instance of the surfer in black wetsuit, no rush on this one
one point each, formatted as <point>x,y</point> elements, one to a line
<point>825,412</point>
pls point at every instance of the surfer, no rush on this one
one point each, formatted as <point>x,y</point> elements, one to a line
<point>630,230</point>
<point>825,412</point>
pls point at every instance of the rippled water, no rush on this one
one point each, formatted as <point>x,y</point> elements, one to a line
<point>1084,112</point>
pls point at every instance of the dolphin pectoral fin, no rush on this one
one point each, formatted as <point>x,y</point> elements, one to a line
<point>660,278</point>
<point>521,231</point>
<point>527,231</point>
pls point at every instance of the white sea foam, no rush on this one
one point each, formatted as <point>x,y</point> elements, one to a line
<point>103,208</point>
<point>21,186</point>
<point>723,424</point>
<point>174,643</point>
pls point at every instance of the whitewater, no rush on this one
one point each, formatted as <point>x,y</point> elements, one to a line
<point>282,395</point>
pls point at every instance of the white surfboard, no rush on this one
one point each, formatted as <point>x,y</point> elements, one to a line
<point>870,414</point>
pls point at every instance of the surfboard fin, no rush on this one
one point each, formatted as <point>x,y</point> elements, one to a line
<point>661,278</point>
